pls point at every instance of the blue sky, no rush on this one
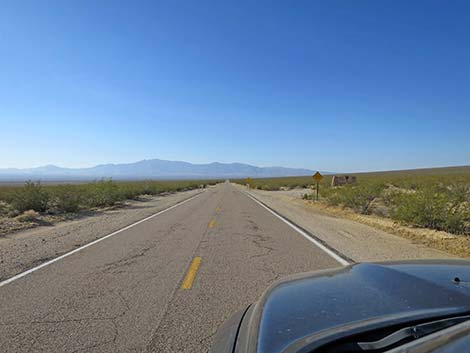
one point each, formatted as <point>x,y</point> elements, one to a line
<point>329,85</point>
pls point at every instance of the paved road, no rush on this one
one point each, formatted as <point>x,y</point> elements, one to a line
<point>142,290</point>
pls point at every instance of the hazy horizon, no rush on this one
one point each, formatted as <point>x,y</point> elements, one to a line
<point>233,162</point>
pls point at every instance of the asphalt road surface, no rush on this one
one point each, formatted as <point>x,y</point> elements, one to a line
<point>163,285</point>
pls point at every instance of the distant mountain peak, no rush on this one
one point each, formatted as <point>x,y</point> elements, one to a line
<point>151,169</point>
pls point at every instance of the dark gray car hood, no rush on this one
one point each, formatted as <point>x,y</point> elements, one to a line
<point>306,308</point>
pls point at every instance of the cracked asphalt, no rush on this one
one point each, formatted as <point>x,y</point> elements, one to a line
<point>124,294</point>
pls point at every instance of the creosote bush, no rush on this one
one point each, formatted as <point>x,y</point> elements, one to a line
<point>31,196</point>
<point>102,193</point>
<point>357,197</point>
<point>433,207</point>
<point>67,198</point>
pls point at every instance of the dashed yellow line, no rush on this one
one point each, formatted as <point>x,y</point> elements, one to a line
<point>191,274</point>
<point>212,223</point>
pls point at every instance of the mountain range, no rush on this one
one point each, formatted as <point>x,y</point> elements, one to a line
<point>150,169</point>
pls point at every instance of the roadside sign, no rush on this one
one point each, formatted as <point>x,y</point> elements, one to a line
<point>317,177</point>
<point>248,182</point>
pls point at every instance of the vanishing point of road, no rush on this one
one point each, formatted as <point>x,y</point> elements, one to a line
<point>162,285</point>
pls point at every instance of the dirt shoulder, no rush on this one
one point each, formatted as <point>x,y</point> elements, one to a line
<point>28,248</point>
<point>363,238</point>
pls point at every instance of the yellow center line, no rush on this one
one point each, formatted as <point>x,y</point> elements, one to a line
<point>212,223</point>
<point>191,274</point>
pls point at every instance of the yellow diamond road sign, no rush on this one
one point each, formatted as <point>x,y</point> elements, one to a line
<point>317,177</point>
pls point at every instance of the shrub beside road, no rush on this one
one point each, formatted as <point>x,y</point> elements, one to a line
<point>34,201</point>
<point>432,198</point>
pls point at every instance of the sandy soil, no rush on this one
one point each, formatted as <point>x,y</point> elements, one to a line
<point>25,249</point>
<point>358,241</point>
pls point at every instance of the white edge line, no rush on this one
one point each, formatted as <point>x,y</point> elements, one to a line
<point>305,235</point>
<point>47,263</point>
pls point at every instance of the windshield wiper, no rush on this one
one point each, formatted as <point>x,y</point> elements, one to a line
<point>413,332</point>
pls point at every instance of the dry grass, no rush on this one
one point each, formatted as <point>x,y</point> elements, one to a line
<point>28,216</point>
<point>451,243</point>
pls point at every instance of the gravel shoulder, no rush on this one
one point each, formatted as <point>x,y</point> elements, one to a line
<point>358,241</point>
<point>25,249</point>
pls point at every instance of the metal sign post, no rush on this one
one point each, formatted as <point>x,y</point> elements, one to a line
<point>317,177</point>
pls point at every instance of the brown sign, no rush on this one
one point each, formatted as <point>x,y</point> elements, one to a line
<point>338,180</point>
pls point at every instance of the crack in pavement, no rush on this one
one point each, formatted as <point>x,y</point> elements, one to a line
<point>133,257</point>
<point>111,319</point>
<point>153,339</point>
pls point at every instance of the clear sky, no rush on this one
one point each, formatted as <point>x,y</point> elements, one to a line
<point>328,85</point>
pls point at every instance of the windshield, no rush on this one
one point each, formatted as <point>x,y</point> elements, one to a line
<point>166,165</point>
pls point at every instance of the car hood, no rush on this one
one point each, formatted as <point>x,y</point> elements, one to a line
<point>309,307</point>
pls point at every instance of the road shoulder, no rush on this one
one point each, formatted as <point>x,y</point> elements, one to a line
<point>358,241</point>
<point>25,249</point>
